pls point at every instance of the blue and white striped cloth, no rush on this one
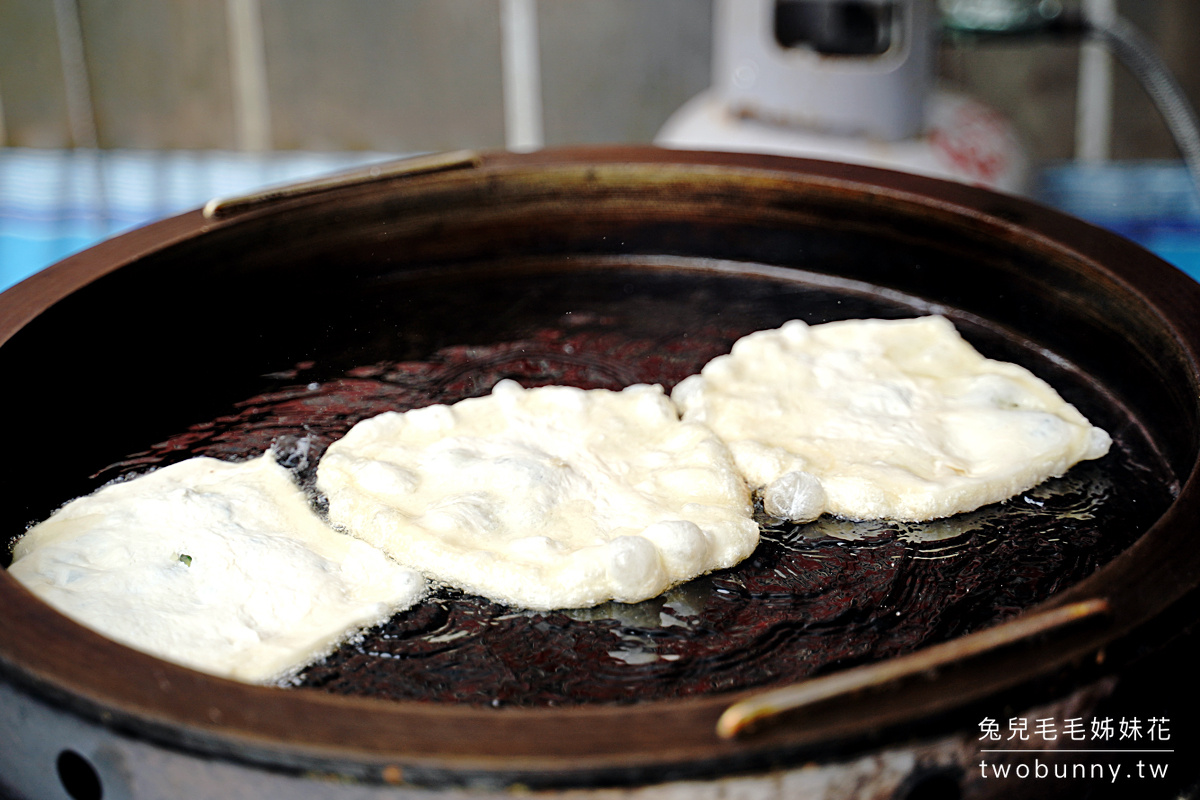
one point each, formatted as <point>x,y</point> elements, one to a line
<point>56,202</point>
<point>1155,204</point>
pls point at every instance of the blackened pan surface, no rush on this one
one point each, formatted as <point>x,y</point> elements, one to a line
<point>283,326</point>
<point>812,598</point>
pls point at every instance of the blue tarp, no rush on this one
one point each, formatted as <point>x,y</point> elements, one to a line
<point>1153,203</point>
<point>56,202</point>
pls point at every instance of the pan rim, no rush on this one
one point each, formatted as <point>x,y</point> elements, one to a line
<point>256,724</point>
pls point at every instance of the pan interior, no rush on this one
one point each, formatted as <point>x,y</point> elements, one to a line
<point>812,598</point>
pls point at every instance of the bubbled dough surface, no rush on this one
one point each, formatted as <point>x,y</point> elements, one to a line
<point>552,497</point>
<point>270,587</point>
<point>897,419</point>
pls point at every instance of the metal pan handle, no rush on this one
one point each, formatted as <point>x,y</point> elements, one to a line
<point>223,207</point>
<point>760,710</point>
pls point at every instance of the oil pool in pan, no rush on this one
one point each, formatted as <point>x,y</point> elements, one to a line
<point>284,318</point>
<point>811,599</point>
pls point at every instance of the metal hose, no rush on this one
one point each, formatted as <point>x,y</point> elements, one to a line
<point>1125,42</point>
<point>1134,50</point>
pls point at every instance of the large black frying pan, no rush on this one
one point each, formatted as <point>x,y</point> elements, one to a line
<point>281,319</point>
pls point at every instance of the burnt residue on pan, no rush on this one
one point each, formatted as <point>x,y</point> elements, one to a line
<point>811,599</point>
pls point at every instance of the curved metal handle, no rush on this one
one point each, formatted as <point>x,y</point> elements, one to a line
<point>221,207</point>
<point>746,715</point>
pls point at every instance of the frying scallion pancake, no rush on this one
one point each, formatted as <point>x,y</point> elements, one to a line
<point>883,419</point>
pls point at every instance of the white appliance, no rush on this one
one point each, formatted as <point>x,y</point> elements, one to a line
<point>844,80</point>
